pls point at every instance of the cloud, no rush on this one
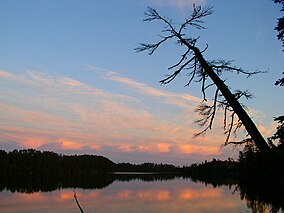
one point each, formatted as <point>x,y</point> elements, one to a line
<point>178,99</point>
<point>70,145</point>
<point>63,114</point>
<point>180,4</point>
<point>202,150</point>
<point>163,147</point>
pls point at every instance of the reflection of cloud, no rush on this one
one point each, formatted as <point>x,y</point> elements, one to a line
<point>125,194</point>
<point>163,195</point>
<point>66,195</point>
<point>167,196</point>
<point>153,195</point>
<point>189,194</point>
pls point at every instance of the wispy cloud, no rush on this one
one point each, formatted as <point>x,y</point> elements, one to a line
<point>179,99</point>
<point>180,4</point>
<point>66,115</point>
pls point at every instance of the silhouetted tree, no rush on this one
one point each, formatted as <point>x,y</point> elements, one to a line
<point>207,73</point>
<point>280,36</point>
<point>280,23</point>
<point>279,134</point>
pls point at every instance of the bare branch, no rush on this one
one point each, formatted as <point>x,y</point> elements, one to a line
<point>244,141</point>
<point>173,75</point>
<point>222,65</point>
<point>214,108</point>
<point>229,131</point>
<point>152,15</point>
<point>201,70</point>
<point>183,57</point>
<point>195,18</point>
<point>203,86</point>
<point>151,47</point>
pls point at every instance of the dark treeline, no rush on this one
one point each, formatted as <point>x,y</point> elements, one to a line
<point>33,161</point>
<point>36,162</point>
<point>215,172</point>
<point>146,167</point>
<point>259,181</point>
<point>31,171</point>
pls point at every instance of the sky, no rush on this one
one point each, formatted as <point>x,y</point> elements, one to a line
<point>71,82</point>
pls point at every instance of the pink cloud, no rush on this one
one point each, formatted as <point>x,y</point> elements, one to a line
<point>61,113</point>
<point>202,150</point>
<point>171,97</point>
<point>163,147</point>
<point>70,145</point>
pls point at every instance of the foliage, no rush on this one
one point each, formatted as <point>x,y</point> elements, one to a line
<point>280,24</point>
<point>278,136</point>
<point>145,167</point>
<point>32,161</point>
<point>280,36</point>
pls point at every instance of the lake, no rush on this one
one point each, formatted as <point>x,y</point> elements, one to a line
<point>124,193</point>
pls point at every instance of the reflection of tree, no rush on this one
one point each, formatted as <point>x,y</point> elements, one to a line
<point>35,183</point>
<point>262,195</point>
<point>261,186</point>
<point>32,170</point>
<point>46,183</point>
<point>259,195</point>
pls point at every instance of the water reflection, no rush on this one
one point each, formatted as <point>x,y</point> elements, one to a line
<point>124,193</point>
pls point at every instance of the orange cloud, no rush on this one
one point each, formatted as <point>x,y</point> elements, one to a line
<point>202,150</point>
<point>70,145</point>
<point>144,148</point>
<point>163,147</point>
<point>71,115</point>
<point>125,148</point>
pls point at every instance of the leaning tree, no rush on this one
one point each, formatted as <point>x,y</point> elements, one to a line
<point>208,74</point>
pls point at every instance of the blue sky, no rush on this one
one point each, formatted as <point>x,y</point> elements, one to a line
<point>71,81</point>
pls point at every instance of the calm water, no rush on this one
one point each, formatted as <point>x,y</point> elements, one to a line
<point>134,195</point>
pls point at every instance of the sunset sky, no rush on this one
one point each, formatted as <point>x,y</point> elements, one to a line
<point>71,82</point>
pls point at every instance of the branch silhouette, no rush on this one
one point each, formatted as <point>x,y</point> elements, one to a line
<point>77,202</point>
<point>207,73</point>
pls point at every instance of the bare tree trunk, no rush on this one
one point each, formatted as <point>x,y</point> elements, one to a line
<point>234,103</point>
<point>193,60</point>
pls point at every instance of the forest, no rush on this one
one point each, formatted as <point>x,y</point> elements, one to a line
<point>33,161</point>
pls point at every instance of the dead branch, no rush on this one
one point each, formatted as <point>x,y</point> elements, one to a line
<point>207,73</point>
<point>77,202</point>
